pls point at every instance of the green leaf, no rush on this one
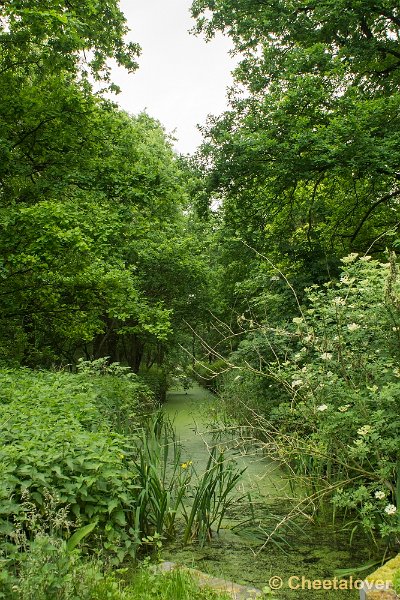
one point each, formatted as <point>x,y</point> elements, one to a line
<point>79,535</point>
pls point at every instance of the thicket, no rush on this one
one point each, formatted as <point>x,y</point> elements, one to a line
<point>322,393</point>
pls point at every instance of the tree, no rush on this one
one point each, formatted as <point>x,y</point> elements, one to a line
<point>91,198</point>
<point>310,150</point>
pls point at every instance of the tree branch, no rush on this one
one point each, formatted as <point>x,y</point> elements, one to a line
<point>371,209</point>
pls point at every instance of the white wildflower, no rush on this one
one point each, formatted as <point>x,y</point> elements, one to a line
<point>365,258</point>
<point>326,356</point>
<point>349,259</point>
<point>339,301</point>
<point>353,326</point>
<point>297,383</point>
<point>298,320</point>
<point>364,430</point>
<point>344,408</point>
<point>390,509</point>
<point>322,407</point>
<point>379,495</point>
<point>359,442</point>
<point>346,280</point>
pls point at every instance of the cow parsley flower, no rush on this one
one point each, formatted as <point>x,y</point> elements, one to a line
<point>339,301</point>
<point>326,356</point>
<point>298,320</point>
<point>349,259</point>
<point>296,383</point>
<point>322,407</point>
<point>364,430</point>
<point>390,509</point>
<point>353,326</point>
<point>380,495</point>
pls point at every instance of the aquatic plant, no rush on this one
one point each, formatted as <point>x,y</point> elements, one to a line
<point>212,496</point>
<point>162,483</point>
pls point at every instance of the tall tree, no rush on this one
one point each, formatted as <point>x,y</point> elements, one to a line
<point>90,198</point>
<point>311,146</point>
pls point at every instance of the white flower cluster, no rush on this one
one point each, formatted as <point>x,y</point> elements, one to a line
<point>390,509</point>
<point>349,259</point>
<point>344,408</point>
<point>322,407</point>
<point>364,430</point>
<point>297,320</point>
<point>353,326</point>
<point>339,301</point>
<point>380,495</point>
<point>297,383</point>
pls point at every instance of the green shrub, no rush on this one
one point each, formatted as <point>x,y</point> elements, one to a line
<point>157,380</point>
<point>337,424</point>
<point>210,375</point>
<point>55,437</point>
<point>122,397</point>
<point>48,571</point>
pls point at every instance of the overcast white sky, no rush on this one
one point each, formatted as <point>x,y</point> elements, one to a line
<point>181,79</point>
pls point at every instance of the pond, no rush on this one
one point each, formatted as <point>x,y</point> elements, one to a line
<point>309,550</point>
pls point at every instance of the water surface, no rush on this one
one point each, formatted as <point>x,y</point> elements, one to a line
<point>308,549</point>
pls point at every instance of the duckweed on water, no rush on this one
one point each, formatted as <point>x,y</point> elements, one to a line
<point>315,552</point>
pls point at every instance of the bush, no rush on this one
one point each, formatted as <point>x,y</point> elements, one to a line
<point>63,467</point>
<point>210,375</point>
<point>337,422</point>
<point>48,571</point>
<point>55,437</point>
<point>156,379</point>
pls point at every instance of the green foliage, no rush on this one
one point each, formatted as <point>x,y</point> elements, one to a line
<point>57,36</point>
<point>80,535</point>
<point>305,161</point>
<point>163,483</point>
<point>210,374</point>
<point>336,423</point>
<point>396,582</point>
<point>95,259</point>
<point>176,585</point>
<point>156,379</point>
<point>83,447</point>
<point>48,571</point>
<point>122,397</point>
<point>56,437</point>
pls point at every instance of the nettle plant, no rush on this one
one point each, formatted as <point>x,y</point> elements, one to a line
<point>338,426</point>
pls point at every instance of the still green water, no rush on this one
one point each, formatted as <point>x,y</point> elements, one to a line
<point>311,551</point>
